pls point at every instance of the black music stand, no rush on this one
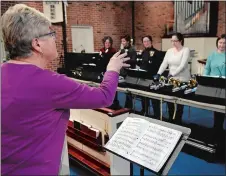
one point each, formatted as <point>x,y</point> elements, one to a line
<point>166,167</point>
<point>74,60</point>
<point>210,90</point>
<point>138,79</point>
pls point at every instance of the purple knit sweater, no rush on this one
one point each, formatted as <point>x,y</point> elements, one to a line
<point>35,107</point>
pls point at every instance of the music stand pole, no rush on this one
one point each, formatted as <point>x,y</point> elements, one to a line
<point>131,169</point>
<point>141,171</point>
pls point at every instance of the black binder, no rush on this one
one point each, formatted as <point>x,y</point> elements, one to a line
<point>211,90</point>
<point>138,79</point>
<point>74,60</point>
<point>85,66</point>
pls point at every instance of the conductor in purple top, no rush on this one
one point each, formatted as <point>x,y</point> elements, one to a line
<point>35,102</point>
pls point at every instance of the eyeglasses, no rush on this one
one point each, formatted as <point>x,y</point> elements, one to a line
<point>52,34</point>
<point>174,41</point>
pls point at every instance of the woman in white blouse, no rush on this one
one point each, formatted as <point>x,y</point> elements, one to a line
<point>176,59</point>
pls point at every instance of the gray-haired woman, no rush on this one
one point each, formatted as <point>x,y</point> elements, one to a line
<point>35,102</point>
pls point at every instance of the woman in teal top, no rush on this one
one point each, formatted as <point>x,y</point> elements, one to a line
<point>215,66</point>
<point>216,61</point>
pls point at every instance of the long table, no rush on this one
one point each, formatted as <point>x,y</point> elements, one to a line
<point>166,98</point>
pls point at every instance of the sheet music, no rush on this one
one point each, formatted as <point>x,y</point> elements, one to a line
<point>145,143</point>
<point>91,64</point>
<point>155,146</point>
<point>214,76</point>
<point>127,136</point>
<point>142,70</point>
<point>137,69</point>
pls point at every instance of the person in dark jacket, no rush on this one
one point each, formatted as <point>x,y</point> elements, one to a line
<point>151,57</point>
<point>127,47</point>
<point>106,52</point>
<point>151,61</point>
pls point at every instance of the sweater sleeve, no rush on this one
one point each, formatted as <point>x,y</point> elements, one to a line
<point>207,67</point>
<point>164,64</point>
<point>184,62</point>
<point>66,93</point>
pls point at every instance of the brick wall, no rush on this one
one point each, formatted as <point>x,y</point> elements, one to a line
<point>114,19</point>
<point>150,19</point>
<point>57,27</point>
<point>221,18</point>
<point>106,18</point>
<point>6,4</point>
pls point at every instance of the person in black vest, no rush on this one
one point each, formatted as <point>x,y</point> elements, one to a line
<point>151,61</point>
<point>131,52</point>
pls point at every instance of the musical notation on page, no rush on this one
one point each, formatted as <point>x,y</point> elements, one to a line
<point>143,142</point>
<point>155,146</point>
<point>137,69</point>
<point>126,136</point>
